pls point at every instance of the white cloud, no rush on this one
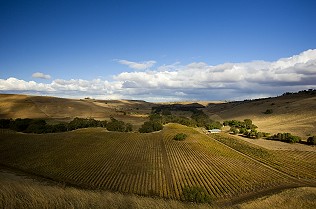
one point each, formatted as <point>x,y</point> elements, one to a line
<point>138,65</point>
<point>13,84</point>
<point>41,75</point>
<point>195,81</point>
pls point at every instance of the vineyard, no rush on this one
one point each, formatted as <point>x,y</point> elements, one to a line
<point>299,164</point>
<point>150,164</point>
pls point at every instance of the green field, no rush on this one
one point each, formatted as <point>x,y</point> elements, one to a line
<point>146,164</point>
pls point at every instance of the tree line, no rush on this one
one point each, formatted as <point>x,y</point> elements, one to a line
<point>40,126</point>
<point>249,130</point>
<point>246,128</point>
<point>163,115</point>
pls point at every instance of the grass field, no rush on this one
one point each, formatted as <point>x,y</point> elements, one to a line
<point>145,164</point>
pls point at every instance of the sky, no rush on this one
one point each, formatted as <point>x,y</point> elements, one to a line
<point>157,50</point>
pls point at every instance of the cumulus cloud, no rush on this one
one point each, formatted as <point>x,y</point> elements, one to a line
<point>41,75</point>
<point>138,65</point>
<point>195,81</point>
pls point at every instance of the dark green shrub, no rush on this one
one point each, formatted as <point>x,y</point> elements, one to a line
<point>311,140</point>
<point>234,130</point>
<point>180,137</point>
<point>117,125</point>
<point>285,137</point>
<point>150,126</point>
<point>195,194</point>
<point>268,111</point>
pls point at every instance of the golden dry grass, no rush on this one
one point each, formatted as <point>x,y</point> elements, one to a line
<point>60,109</point>
<point>292,113</point>
<point>17,191</point>
<point>302,198</point>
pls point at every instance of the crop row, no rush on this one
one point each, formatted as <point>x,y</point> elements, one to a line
<point>145,164</point>
<point>222,172</point>
<point>296,163</point>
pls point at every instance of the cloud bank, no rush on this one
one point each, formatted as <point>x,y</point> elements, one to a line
<point>195,81</point>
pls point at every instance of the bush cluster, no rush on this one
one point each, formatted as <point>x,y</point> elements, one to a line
<point>195,194</point>
<point>163,116</point>
<point>268,111</point>
<point>150,126</point>
<point>285,137</point>
<point>311,140</point>
<point>117,125</point>
<point>246,128</point>
<point>180,137</point>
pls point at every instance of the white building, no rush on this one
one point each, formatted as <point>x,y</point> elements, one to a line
<point>214,131</point>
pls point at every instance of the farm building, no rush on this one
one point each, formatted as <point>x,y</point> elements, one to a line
<point>214,131</point>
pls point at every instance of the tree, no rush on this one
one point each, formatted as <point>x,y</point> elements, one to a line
<point>128,127</point>
<point>259,135</point>
<point>36,126</point>
<point>195,194</point>
<point>311,140</point>
<point>150,126</point>
<point>248,123</point>
<point>116,125</point>
<point>20,125</point>
<point>5,123</point>
<point>213,125</point>
<point>252,134</point>
<point>234,130</point>
<point>180,137</point>
<point>268,111</point>
<point>243,130</point>
<point>285,137</point>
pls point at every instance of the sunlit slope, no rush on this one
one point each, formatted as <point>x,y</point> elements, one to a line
<point>147,164</point>
<point>291,113</point>
<point>22,106</point>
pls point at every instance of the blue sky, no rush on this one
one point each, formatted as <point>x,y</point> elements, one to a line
<point>104,48</point>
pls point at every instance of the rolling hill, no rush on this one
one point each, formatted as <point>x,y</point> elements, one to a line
<point>294,113</point>
<point>60,109</point>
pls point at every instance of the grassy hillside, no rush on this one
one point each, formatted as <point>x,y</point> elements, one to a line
<point>59,109</point>
<point>294,113</point>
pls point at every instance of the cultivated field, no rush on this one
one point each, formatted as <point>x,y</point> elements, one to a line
<point>21,191</point>
<point>299,164</point>
<point>150,164</point>
<point>230,169</point>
